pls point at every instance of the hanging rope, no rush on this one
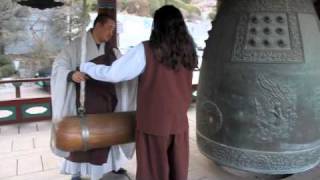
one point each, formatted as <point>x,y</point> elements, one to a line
<point>85,133</point>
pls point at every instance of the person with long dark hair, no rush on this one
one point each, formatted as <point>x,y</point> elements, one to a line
<point>164,65</point>
<point>317,7</point>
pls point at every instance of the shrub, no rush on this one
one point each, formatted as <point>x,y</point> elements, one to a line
<point>6,67</point>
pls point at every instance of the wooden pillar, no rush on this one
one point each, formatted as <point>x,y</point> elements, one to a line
<point>109,7</point>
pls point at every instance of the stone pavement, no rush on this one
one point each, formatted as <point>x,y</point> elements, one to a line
<point>25,155</point>
<point>28,90</point>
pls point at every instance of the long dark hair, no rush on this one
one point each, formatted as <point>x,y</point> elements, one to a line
<point>317,6</point>
<point>170,40</point>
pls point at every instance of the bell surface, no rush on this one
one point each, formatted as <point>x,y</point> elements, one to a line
<point>258,106</point>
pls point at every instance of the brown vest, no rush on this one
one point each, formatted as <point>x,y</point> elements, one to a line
<point>164,96</point>
<point>100,97</point>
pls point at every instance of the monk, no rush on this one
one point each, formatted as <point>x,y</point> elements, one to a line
<point>100,97</point>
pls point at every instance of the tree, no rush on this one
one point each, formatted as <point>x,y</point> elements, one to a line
<point>148,7</point>
<point>59,25</point>
<point>6,67</point>
<point>11,28</point>
<point>67,22</point>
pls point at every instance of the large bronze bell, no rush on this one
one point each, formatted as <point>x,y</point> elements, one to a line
<point>258,106</point>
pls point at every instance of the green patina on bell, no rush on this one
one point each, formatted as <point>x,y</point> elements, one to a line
<point>258,106</point>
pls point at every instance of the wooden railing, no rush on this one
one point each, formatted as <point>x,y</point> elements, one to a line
<point>24,109</point>
<point>21,109</point>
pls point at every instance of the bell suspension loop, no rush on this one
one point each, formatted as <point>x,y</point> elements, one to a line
<point>85,133</point>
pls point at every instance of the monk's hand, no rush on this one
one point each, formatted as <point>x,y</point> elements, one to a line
<point>117,52</point>
<point>78,76</point>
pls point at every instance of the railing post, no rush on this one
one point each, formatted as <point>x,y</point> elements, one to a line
<point>17,86</point>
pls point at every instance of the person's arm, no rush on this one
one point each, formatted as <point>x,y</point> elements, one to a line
<point>62,63</point>
<point>127,67</point>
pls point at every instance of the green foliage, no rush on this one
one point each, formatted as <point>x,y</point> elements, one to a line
<point>187,1</point>
<point>43,53</point>
<point>4,60</point>
<point>6,67</point>
<point>185,6</point>
<point>11,24</point>
<point>122,4</point>
<point>213,13</point>
<point>92,5</point>
<point>155,4</point>
<point>68,21</point>
<point>6,70</point>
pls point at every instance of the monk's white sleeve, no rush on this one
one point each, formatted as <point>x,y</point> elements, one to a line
<point>125,68</point>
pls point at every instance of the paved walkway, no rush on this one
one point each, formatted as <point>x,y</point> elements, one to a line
<point>25,155</point>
